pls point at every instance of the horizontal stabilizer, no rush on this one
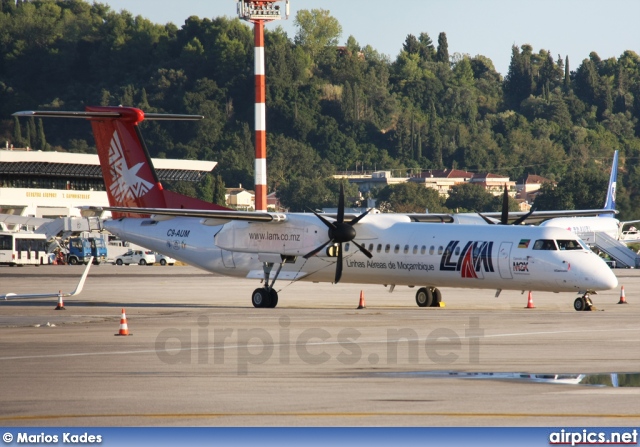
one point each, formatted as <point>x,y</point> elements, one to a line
<point>85,115</point>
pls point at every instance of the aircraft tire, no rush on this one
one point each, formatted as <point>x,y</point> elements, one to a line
<point>437,297</point>
<point>273,299</point>
<point>260,297</point>
<point>424,297</point>
<point>580,304</point>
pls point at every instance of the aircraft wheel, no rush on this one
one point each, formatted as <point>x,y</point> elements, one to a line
<point>260,298</point>
<point>437,297</point>
<point>424,297</point>
<point>580,303</point>
<point>273,298</point>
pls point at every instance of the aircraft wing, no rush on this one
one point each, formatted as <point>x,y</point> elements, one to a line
<point>540,216</point>
<point>14,296</point>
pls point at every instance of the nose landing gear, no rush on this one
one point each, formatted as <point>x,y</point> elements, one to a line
<point>583,303</point>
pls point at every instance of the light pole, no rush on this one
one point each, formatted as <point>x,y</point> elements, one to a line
<point>260,12</point>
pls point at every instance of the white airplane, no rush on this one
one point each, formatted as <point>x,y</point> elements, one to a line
<point>387,249</point>
<point>587,227</point>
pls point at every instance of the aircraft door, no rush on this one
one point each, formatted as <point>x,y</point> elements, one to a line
<point>504,260</point>
<point>227,259</point>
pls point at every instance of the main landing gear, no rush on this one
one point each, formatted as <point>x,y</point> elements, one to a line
<point>267,296</point>
<point>583,303</point>
<point>428,297</point>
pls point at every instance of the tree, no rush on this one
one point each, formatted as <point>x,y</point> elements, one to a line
<point>442,55</point>
<point>41,140</point>
<point>17,132</point>
<point>470,197</point>
<point>219,191</point>
<point>317,29</point>
<point>410,197</point>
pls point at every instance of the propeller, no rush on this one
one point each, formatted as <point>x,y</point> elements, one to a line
<point>339,233</point>
<point>504,218</point>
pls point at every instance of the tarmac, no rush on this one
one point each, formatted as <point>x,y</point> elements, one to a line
<point>199,354</point>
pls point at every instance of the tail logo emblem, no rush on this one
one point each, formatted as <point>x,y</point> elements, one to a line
<point>125,182</point>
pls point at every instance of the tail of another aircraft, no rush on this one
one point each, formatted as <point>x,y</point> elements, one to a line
<point>610,202</point>
<point>129,176</point>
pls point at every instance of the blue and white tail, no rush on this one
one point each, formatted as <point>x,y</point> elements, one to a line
<point>610,202</point>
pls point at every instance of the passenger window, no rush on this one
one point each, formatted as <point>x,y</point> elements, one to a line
<point>569,244</point>
<point>406,249</point>
<point>387,248</point>
<point>423,249</point>
<point>370,247</point>
<point>415,249</point>
<point>431,250</point>
<point>544,244</point>
<point>379,249</point>
<point>440,250</point>
<point>396,249</point>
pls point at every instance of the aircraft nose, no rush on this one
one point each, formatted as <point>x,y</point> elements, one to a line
<point>603,277</point>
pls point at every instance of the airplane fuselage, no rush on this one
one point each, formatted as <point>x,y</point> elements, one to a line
<point>404,253</point>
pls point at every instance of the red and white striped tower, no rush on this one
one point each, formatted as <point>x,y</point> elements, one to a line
<point>259,12</point>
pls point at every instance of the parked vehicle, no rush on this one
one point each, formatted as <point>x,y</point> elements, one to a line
<point>81,249</point>
<point>164,259</point>
<point>141,257</point>
<point>23,248</point>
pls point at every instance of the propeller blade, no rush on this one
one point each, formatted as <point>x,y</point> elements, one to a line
<point>339,265</point>
<point>487,220</point>
<point>355,220</point>
<point>364,251</point>
<point>313,252</point>
<point>504,219</point>
<point>523,218</point>
<point>328,223</point>
<point>341,204</point>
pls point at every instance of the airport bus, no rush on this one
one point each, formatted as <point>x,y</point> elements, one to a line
<point>18,248</point>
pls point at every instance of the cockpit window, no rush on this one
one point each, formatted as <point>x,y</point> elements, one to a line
<point>569,244</point>
<point>545,244</point>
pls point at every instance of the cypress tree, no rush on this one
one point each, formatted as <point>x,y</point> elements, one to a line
<point>567,75</point>
<point>442,55</point>
<point>17,132</point>
<point>219,191</point>
<point>41,143</point>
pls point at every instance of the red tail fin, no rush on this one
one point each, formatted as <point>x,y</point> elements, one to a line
<point>128,172</point>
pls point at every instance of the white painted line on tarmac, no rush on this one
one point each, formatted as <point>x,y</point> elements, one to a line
<point>262,345</point>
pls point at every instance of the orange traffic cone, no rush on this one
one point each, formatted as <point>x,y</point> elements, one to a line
<point>60,305</point>
<point>361,304</point>
<point>622,299</point>
<point>530,302</point>
<point>124,329</point>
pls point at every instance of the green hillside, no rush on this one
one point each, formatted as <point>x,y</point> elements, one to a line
<point>329,108</point>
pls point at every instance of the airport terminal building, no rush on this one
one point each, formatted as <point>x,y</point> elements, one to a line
<point>54,184</point>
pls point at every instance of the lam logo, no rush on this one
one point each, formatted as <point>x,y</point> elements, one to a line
<point>125,182</point>
<point>471,261</point>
